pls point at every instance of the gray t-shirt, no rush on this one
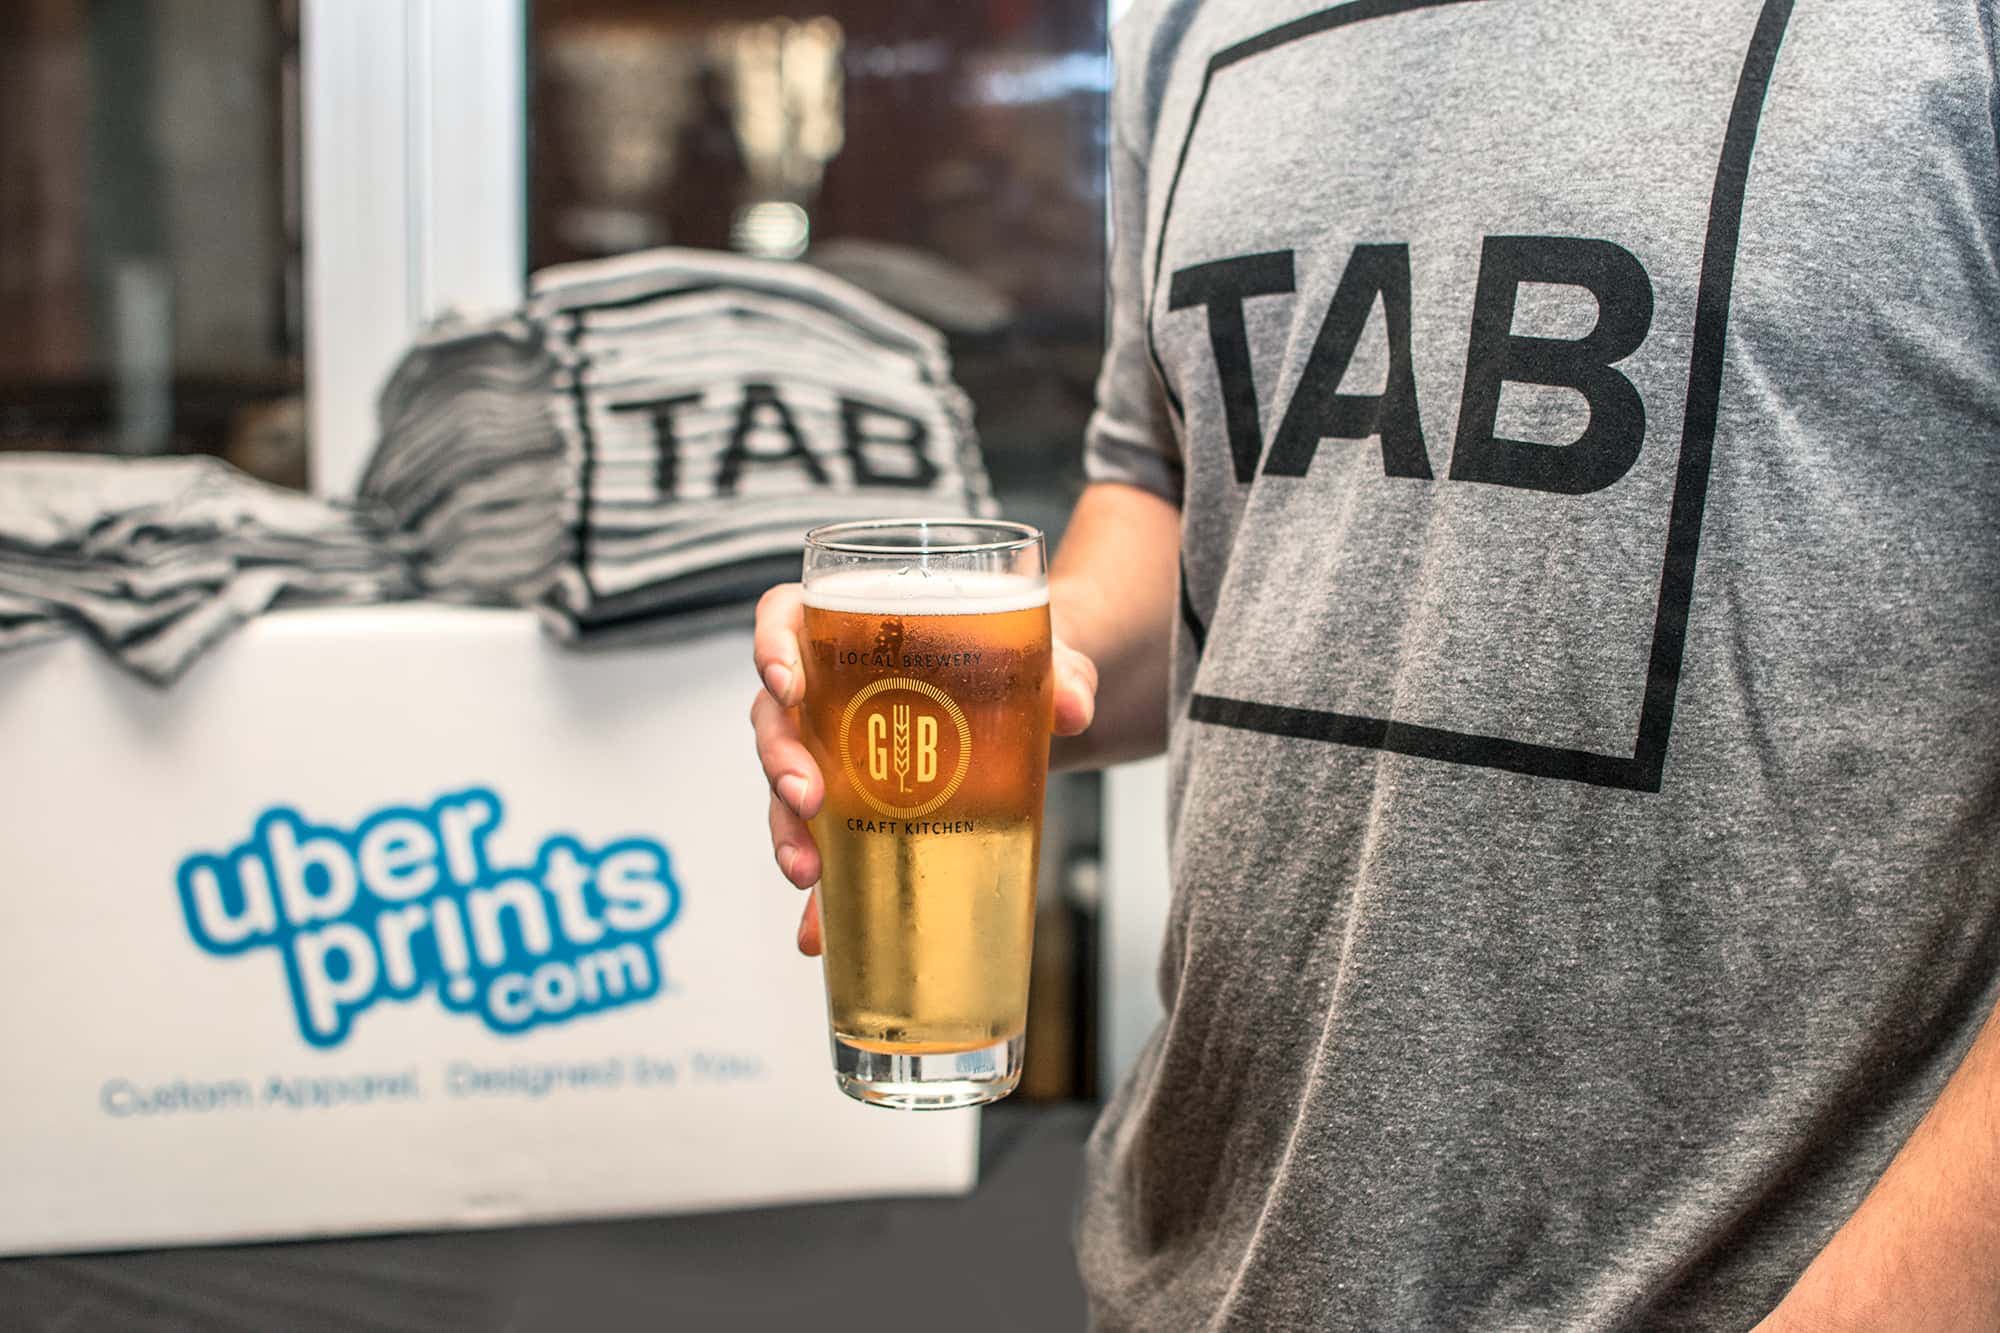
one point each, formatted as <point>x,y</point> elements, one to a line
<point>1586,764</point>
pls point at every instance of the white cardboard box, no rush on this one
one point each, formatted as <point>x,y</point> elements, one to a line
<point>190,1058</point>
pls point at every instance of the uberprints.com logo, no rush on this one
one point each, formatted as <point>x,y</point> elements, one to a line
<point>408,901</point>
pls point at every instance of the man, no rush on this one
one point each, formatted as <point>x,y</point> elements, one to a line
<point>1558,447</point>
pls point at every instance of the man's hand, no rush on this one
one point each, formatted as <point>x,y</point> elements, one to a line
<point>797,787</point>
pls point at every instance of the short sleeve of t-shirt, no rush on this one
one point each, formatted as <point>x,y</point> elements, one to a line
<point>1131,438</point>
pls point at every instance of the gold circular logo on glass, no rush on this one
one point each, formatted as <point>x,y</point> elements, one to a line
<point>906,746</point>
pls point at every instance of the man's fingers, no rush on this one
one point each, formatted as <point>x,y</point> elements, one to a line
<point>809,933</point>
<point>793,846</point>
<point>788,765</point>
<point>780,616</point>
<point>1076,690</point>
<point>796,789</point>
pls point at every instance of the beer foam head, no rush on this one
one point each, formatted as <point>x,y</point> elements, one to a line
<point>920,592</point>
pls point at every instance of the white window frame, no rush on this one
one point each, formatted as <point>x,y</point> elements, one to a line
<point>415,167</point>
<point>1135,884</point>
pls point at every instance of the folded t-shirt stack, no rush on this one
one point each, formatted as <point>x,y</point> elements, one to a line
<point>470,465</point>
<point>158,558</point>
<point>689,415</point>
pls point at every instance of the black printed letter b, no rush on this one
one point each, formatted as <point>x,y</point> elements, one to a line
<point>1617,429</point>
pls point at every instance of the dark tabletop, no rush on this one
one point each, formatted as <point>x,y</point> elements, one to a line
<point>997,1260</point>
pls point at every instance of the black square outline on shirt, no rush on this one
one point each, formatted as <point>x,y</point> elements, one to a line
<point>1644,769</point>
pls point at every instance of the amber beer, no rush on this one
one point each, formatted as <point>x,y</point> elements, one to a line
<point>927,706</point>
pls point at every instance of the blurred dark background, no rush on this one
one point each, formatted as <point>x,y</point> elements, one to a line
<point>150,231</point>
<point>951,154</point>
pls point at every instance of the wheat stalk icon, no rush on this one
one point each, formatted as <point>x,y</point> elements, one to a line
<point>900,744</point>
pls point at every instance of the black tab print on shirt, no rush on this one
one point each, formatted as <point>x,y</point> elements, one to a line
<point>1495,355</point>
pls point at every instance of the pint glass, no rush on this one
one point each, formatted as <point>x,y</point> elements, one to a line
<point>927,706</point>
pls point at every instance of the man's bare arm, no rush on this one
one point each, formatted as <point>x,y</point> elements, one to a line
<point>1112,597</point>
<point>1923,1250</point>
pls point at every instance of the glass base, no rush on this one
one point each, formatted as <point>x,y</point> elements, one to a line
<point>928,1082</point>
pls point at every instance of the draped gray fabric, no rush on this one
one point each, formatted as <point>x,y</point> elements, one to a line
<point>158,558</point>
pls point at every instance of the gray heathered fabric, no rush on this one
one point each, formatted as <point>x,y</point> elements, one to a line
<point>1456,1047</point>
